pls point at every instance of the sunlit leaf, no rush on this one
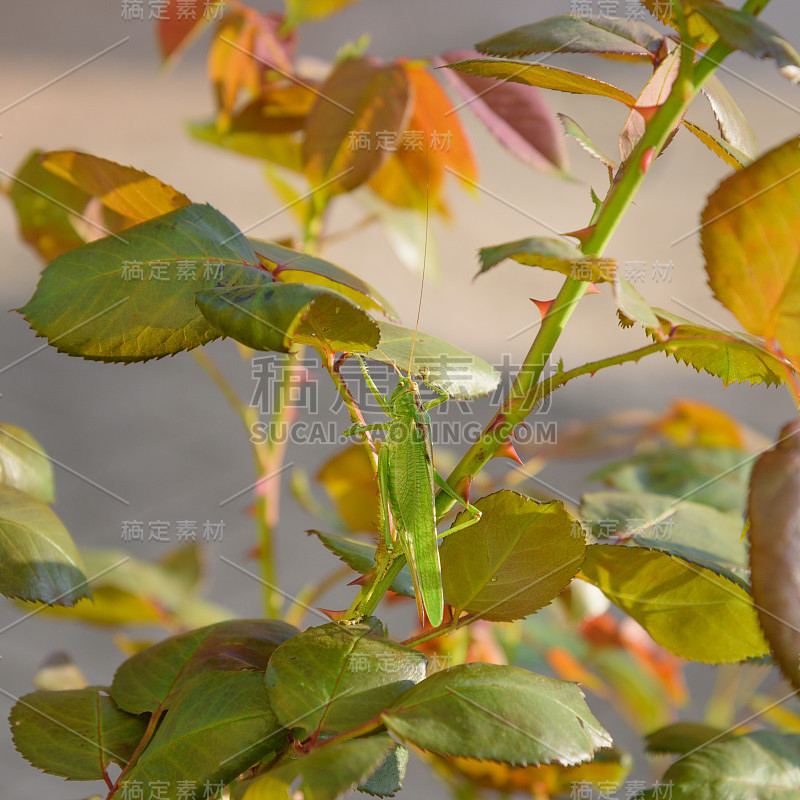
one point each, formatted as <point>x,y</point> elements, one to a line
<point>132,298</point>
<point>726,151</point>
<point>42,203</point>
<point>24,465</point>
<point>733,125</point>
<point>571,128</point>
<point>517,558</point>
<point>276,316</point>
<point>281,149</point>
<point>497,713</point>
<point>692,423</point>
<point>632,305</point>
<point>686,608</point>
<point>74,733</point>
<point>573,33</point>
<point>750,236</point>
<point>38,559</point>
<point>387,780</point>
<point>358,107</point>
<point>731,356</point>
<point>300,11</point>
<point>335,677</point>
<point>552,254</point>
<point>443,365</point>
<point>290,266</point>
<point>542,76</point>
<point>127,191</point>
<point>606,771</point>
<point>698,28</point>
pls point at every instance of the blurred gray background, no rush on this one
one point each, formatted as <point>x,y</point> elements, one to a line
<point>159,436</point>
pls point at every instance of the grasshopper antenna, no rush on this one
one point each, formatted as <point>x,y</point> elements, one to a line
<point>424,248</point>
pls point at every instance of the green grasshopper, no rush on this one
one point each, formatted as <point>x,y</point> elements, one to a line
<point>406,480</point>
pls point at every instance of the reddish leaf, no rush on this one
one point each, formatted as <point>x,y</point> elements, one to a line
<point>655,92</point>
<point>433,141</point>
<point>355,122</point>
<point>182,21</point>
<point>517,116</point>
<point>246,53</point>
<point>775,547</point>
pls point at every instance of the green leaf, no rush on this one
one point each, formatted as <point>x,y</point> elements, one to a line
<point>497,713</point>
<point>517,558</point>
<point>731,356</point>
<point>300,11</point>
<point>577,34</point>
<point>275,316</point>
<point>289,266</point>
<point>127,191</point>
<point>218,725</point>
<point>571,128</point>
<point>714,476</point>
<point>150,680</point>
<point>359,98</point>
<point>751,242</point>
<point>281,149</point>
<point>387,780</point>
<point>698,28</point>
<point>693,612</point>
<point>695,532</point>
<point>131,591</point>
<point>90,302</point>
<point>360,555</point>
<point>326,773</point>
<point>733,125</point>
<point>551,254</point>
<point>445,366</point>
<point>24,465</point>
<point>726,151</point>
<point>74,733</point>
<point>756,766</point>
<point>336,677</point>
<point>744,31</point>
<point>682,737</point>
<point>38,559</point>
<point>632,305</point>
<point>42,203</point>
<point>543,77</point>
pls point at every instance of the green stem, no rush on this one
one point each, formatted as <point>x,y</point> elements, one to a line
<point>521,397</point>
<point>370,596</point>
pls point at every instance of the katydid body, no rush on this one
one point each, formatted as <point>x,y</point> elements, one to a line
<point>406,484</point>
